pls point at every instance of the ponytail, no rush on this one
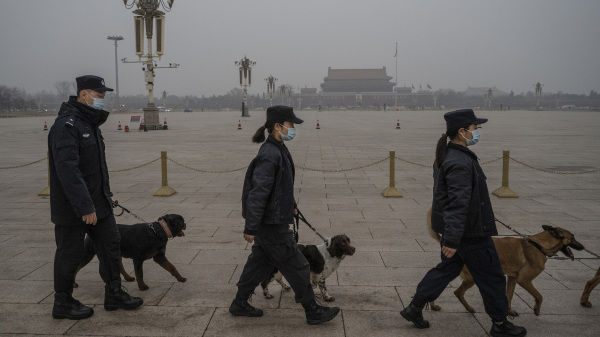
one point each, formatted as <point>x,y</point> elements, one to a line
<point>259,136</point>
<point>440,151</point>
<point>442,145</point>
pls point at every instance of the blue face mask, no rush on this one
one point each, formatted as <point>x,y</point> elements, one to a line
<point>97,104</point>
<point>475,139</point>
<point>290,135</point>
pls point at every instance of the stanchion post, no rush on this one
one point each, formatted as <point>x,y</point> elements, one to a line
<point>504,191</point>
<point>391,191</point>
<point>46,191</point>
<point>164,190</point>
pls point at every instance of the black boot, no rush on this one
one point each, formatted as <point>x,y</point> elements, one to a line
<point>65,306</point>
<point>414,313</point>
<point>117,298</point>
<point>505,328</point>
<point>241,307</point>
<point>316,313</point>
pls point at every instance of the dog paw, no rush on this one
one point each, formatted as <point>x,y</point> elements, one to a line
<point>587,304</point>
<point>513,313</point>
<point>287,287</point>
<point>471,310</point>
<point>182,279</point>
<point>435,307</point>
<point>329,299</point>
<point>129,279</point>
<point>143,287</point>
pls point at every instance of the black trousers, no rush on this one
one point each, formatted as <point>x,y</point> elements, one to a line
<point>70,251</point>
<point>283,255</point>
<point>481,258</point>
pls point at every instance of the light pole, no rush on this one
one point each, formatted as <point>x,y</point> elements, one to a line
<point>116,39</point>
<point>147,14</point>
<point>282,90</point>
<point>245,67</point>
<point>538,93</point>
<point>271,88</point>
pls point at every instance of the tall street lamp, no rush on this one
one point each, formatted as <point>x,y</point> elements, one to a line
<point>147,14</point>
<point>271,88</point>
<point>245,67</point>
<point>116,39</point>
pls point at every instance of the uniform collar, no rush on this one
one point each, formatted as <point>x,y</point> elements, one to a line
<point>93,116</point>
<point>463,149</point>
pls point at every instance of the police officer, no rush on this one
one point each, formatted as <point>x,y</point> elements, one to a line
<point>462,213</point>
<point>80,200</point>
<point>268,207</point>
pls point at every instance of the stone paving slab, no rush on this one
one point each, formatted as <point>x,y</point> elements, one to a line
<point>394,249</point>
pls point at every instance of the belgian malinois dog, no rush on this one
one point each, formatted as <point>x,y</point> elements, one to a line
<point>522,261</point>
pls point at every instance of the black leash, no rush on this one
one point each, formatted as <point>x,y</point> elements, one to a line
<point>526,237</point>
<point>115,204</point>
<point>299,216</point>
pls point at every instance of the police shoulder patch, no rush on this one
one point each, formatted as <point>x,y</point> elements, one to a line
<point>70,122</point>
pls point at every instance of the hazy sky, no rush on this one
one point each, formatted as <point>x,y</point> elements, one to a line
<point>510,44</point>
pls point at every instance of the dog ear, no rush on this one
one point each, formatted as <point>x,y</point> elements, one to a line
<point>555,231</point>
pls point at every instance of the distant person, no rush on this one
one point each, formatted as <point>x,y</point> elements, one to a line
<point>80,200</point>
<point>268,206</point>
<point>462,213</point>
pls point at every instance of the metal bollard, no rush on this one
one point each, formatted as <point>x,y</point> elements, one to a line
<point>46,191</point>
<point>391,191</point>
<point>164,190</point>
<point>504,191</point>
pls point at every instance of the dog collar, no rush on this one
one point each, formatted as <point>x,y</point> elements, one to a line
<point>165,227</point>
<point>536,245</point>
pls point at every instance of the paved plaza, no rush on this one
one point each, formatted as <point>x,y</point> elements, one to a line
<point>393,249</point>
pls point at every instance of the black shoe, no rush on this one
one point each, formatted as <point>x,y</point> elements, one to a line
<point>65,306</point>
<point>316,313</point>
<point>505,328</point>
<point>117,298</point>
<point>241,307</point>
<point>415,315</point>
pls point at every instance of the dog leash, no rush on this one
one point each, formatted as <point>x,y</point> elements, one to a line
<point>535,244</point>
<point>116,204</point>
<point>299,216</point>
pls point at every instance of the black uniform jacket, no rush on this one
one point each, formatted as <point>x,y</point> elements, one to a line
<point>461,202</point>
<point>79,182</point>
<point>268,193</point>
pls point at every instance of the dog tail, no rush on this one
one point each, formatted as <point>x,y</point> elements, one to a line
<point>431,232</point>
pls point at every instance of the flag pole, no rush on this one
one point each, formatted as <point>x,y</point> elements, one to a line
<point>396,87</point>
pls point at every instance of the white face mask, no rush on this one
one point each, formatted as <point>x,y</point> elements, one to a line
<point>475,139</point>
<point>98,103</point>
<point>290,135</point>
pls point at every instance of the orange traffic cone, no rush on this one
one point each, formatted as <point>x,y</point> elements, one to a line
<point>165,127</point>
<point>318,127</point>
<point>239,124</point>
<point>126,128</point>
<point>45,126</point>
<point>398,125</point>
<point>119,128</point>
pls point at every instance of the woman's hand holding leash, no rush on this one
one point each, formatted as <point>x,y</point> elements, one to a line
<point>249,238</point>
<point>448,252</point>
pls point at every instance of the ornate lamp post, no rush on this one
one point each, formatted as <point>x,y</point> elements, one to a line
<point>147,14</point>
<point>116,39</point>
<point>245,67</point>
<point>271,88</point>
<point>282,91</point>
<point>538,93</point>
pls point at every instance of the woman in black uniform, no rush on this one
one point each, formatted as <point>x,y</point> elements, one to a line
<point>268,207</point>
<point>462,213</point>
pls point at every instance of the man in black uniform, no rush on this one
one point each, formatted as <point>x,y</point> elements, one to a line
<point>80,200</point>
